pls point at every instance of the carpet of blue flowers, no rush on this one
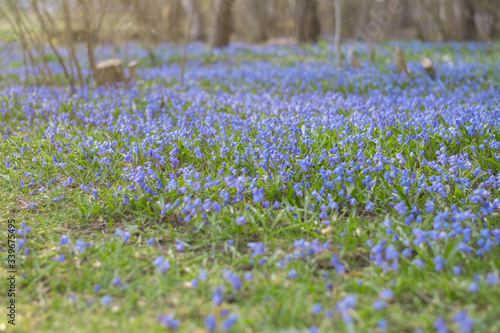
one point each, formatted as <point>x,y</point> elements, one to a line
<point>269,193</point>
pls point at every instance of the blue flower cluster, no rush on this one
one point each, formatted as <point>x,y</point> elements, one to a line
<point>276,146</point>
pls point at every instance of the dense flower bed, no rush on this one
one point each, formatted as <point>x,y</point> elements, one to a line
<point>270,143</point>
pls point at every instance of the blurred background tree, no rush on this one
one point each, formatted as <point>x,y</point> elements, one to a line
<point>38,26</point>
<point>253,21</point>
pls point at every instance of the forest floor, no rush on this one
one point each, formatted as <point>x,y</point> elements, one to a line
<point>271,192</point>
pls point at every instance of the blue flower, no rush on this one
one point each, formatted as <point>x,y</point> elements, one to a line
<point>492,279</point>
<point>210,323</point>
<point>162,264</point>
<point>218,295</point>
<point>61,258</point>
<point>429,206</point>
<point>64,240</point>
<point>179,246</point>
<point>317,308</point>
<point>440,326</point>
<point>344,305</point>
<point>379,305</point>
<point>439,263</point>
<point>473,287</point>
<point>194,283</point>
<point>81,246</point>
<point>464,322</point>
<point>106,299</point>
<point>401,208</point>
<point>382,324</point>
<point>235,280</point>
<point>241,220</point>
<point>169,321</point>
<point>292,274</point>
<point>202,275</point>
<point>387,295</point>
<point>258,249</point>
<point>227,324</point>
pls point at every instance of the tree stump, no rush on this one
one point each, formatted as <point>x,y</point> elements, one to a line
<point>109,71</point>
<point>355,62</point>
<point>429,67</point>
<point>400,61</point>
<point>132,71</point>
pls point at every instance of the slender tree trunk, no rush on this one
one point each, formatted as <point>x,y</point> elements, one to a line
<point>307,23</point>
<point>67,18</point>
<point>89,34</point>
<point>222,24</point>
<point>192,8</point>
<point>338,25</point>
<point>40,48</point>
<point>184,49</point>
<point>31,58</point>
<point>469,24</point>
<point>90,50</point>
<point>25,39</point>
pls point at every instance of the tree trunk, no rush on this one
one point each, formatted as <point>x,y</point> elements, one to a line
<point>192,8</point>
<point>173,21</point>
<point>469,25</point>
<point>364,17</point>
<point>307,23</point>
<point>406,15</point>
<point>419,21</point>
<point>449,20</point>
<point>432,19</point>
<point>223,25</point>
<point>495,22</point>
<point>338,24</point>
<point>258,20</point>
